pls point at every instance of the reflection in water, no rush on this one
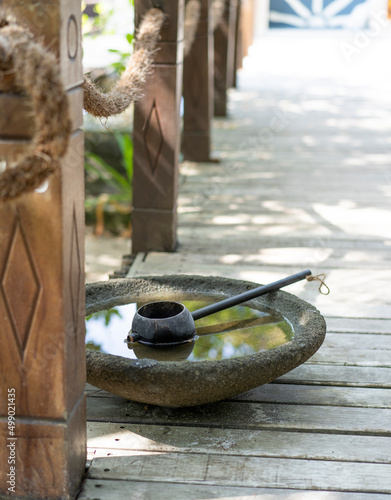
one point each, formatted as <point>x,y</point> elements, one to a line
<point>237,331</point>
<point>179,352</point>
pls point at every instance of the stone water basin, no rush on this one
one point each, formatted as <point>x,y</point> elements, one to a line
<point>277,332</point>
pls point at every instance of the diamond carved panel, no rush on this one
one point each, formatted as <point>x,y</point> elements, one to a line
<point>20,286</point>
<point>75,270</point>
<point>153,138</point>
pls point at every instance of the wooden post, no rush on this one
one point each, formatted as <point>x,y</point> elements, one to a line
<point>224,53</point>
<point>42,353</point>
<point>231,48</point>
<point>198,90</point>
<point>156,137</point>
<point>238,43</point>
<point>247,24</point>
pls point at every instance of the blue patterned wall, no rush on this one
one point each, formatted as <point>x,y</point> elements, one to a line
<point>317,14</point>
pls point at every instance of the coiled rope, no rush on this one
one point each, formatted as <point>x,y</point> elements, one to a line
<point>37,74</point>
<point>129,87</point>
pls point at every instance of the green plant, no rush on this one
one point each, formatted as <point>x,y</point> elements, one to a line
<point>120,65</point>
<point>93,25</point>
<point>106,315</point>
<point>120,182</point>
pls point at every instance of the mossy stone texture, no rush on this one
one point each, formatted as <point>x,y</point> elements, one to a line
<point>183,383</point>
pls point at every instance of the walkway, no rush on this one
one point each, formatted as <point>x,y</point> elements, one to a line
<point>304,181</point>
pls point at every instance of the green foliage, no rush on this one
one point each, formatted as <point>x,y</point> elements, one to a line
<point>121,182</point>
<point>125,144</point>
<point>118,181</point>
<point>107,316</point>
<point>120,65</point>
<point>123,56</point>
<point>96,25</point>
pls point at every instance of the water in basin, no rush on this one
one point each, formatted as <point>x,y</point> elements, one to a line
<point>237,331</point>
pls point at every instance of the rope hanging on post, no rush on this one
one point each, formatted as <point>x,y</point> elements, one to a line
<point>129,87</point>
<point>192,17</point>
<point>37,74</point>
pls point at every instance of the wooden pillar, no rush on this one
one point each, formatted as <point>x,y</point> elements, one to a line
<point>238,43</point>
<point>247,24</point>
<point>42,353</point>
<point>156,137</point>
<point>224,57</point>
<point>231,48</point>
<point>198,90</point>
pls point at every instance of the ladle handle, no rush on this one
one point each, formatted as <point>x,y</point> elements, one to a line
<point>251,294</point>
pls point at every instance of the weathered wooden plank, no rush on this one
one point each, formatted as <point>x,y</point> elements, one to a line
<point>301,219</point>
<point>103,436</point>
<point>353,349</point>
<point>336,182</point>
<point>246,138</point>
<point>247,416</point>
<point>328,253</point>
<point>252,237</point>
<point>246,252</point>
<point>359,325</point>
<point>273,160</point>
<point>247,212</point>
<point>352,357</point>
<point>222,189</point>
<point>310,141</point>
<point>300,394</point>
<point>318,395</point>
<point>244,471</point>
<point>298,257</point>
<point>246,205</point>
<point>118,489</point>
<point>350,376</point>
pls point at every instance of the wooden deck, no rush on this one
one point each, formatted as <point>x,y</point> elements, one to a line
<point>304,181</point>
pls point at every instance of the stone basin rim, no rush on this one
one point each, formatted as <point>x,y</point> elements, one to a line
<point>155,382</point>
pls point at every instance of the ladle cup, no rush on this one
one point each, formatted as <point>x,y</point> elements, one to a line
<point>168,323</point>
